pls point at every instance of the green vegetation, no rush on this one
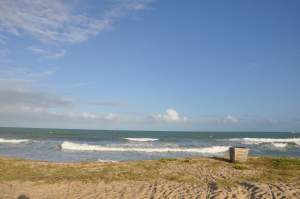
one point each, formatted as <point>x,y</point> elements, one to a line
<point>164,160</point>
<point>240,167</point>
<point>286,163</point>
<point>276,169</point>
<point>185,170</point>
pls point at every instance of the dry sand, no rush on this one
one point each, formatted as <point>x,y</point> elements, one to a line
<point>167,178</point>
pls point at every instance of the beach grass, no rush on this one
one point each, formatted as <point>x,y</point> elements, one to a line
<point>182,170</point>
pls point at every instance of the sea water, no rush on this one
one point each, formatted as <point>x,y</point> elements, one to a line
<point>65,145</point>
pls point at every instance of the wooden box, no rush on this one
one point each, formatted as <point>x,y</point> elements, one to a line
<point>238,154</point>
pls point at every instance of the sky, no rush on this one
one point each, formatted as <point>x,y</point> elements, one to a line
<point>150,64</point>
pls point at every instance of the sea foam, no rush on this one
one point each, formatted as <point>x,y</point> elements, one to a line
<point>87,147</point>
<point>13,141</point>
<point>141,139</point>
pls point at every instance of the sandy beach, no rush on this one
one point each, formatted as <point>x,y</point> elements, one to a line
<point>164,178</point>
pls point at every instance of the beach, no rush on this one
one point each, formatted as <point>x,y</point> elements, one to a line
<point>64,163</point>
<point>193,177</point>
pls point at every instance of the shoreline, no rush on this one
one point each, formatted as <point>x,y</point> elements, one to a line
<point>192,177</point>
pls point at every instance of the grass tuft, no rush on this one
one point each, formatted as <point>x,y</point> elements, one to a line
<point>240,167</point>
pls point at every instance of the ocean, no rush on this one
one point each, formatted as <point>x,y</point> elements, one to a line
<point>65,145</point>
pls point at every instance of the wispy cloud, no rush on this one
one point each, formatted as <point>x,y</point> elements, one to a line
<point>26,73</point>
<point>32,114</point>
<point>229,119</point>
<point>107,104</point>
<point>112,117</point>
<point>58,20</point>
<point>55,24</point>
<point>18,99</point>
<point>19,102</point>
<point>45,20</point>
<point>47,53</point>
<point>170,115</point>
<point>29,98</point>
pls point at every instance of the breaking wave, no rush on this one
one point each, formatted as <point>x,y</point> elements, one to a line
<point>141,139</point>
<point>87,147</point>
<point>13,141</point>
<point>107,161</point>
<point>267,140</point>
<point>280,145</point>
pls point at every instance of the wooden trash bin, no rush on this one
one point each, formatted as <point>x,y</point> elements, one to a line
<point>238,154</point>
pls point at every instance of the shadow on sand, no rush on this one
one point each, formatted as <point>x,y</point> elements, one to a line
<point>222,159</point>
<point>23,197</point>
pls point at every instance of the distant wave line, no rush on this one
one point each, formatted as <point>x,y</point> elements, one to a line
<point>107,161</point>
<point>13,141</point>
<point>266,140</point>
<point>141,139</point>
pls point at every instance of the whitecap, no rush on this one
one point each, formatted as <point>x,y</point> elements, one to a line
<point>141,139</point>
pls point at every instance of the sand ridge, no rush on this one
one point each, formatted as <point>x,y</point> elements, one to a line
<point>144,190</point>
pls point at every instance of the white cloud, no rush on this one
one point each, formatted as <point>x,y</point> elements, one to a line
<point>80,115</point>
<point>50,72</point>
<point>87,116</point>
<point>171,115</point>
<point>59,20</point>
<point>111,116</point>
<point>229,119</point>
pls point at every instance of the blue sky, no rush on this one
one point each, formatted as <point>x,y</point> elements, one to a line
<point>150,64</point>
